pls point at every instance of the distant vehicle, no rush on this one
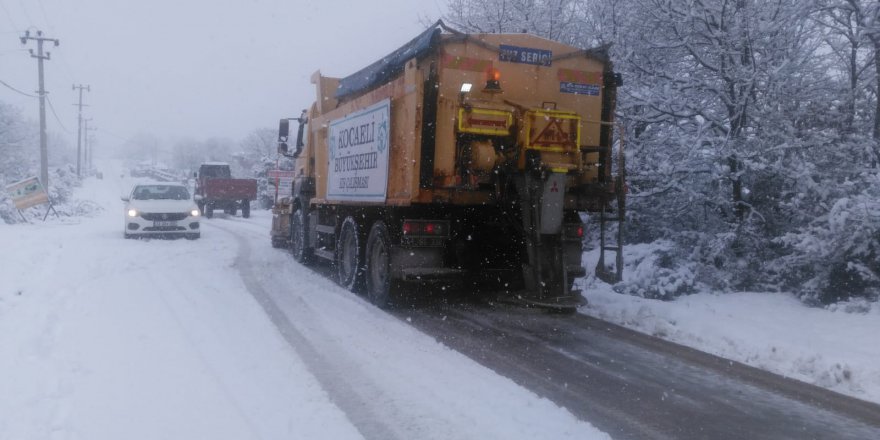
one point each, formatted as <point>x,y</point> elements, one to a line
<point>161,209</point>
<point>139,171</point>
<point>216,189</point>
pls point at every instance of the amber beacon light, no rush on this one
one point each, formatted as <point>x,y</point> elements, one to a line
<point>493,83</point>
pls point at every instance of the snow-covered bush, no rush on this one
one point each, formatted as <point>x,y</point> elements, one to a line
<point>656,271</point>
<point>860,306</point>
<point>7,211</point>
<point>838,254</point>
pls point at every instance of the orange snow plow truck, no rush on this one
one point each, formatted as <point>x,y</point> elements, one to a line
<point>458,157</point>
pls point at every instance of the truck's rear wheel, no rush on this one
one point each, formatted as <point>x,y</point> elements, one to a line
<point>350,256</point>
<point>245,208</point>
<point>298,238</point>
<point>209,210</point>
<point>381,289</point>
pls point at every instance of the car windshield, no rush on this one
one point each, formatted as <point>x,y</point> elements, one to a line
<point>160,192</point>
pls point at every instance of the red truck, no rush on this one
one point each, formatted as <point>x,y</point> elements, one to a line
<point>216,189</point>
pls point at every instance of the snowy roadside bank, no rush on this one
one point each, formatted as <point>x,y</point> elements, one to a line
<point>832,347</point>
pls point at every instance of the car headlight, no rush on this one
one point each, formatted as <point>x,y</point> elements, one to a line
<point>194,213</point>
<point>132,213</point>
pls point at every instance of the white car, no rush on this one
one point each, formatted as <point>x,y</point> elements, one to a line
<point>161,209</point>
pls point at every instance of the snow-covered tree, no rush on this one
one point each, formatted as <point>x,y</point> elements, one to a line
<point>558,20</point>
<point>750,124</point>
<point>16,137</point>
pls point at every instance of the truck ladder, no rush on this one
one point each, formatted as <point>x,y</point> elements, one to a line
<point>602,272</point>
<point>619,193</point>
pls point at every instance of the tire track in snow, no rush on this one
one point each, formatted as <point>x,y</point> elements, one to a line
<point>335,376</point>
<point>166,285</point>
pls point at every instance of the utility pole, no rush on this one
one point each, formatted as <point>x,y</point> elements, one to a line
<point>88,148</point>
<point>92,143</point>
<point>44,151</point>
<point>86,154</point>
<point>79,127</point>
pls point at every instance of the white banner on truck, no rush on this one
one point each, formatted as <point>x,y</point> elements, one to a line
<point>282,180</point>
<point>359,152</point>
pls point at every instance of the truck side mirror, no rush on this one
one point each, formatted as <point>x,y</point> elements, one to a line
<point>299,135</point>
<point>613,80</point>
<point>283,132</point>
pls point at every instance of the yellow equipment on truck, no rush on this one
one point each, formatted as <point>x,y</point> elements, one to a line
<point>457,157</point>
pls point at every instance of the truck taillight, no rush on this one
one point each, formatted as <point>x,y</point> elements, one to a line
<point>424,227</point>
<point>574,231</point>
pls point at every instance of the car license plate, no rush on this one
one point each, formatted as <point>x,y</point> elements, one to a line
<point>166,224</point>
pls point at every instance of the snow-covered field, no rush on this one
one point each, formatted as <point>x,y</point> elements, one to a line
<point>836,347</point>
<point>106,338</point>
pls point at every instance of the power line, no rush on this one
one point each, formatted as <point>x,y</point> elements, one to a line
<point>16,90</point>
<point>64,64</point>
<point>45,16</point>
<point>52,107</point>
<point>24,9</point>
<point>8,16</point>
<point>114,135</point>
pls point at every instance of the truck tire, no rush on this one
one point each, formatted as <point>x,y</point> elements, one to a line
<point>209,210</point>
<point>245,208</point>
<point>350,256</point>
<point>201,207</point>
<point>380,288</point>
<point>232,210</point>
<point>298,238</point>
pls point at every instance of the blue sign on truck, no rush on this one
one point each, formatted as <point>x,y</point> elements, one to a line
<point>525,55</point>
<point>579,89</point>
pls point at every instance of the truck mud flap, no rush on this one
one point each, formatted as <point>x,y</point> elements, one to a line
<point>431,274</point>
<point>565,303</point>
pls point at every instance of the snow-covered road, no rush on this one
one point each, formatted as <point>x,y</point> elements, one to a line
<point>223,338</point>
<point>227,338</point>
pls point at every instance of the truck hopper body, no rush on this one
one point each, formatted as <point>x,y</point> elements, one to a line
<point>457,157</point>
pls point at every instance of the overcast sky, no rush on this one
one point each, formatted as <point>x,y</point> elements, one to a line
<point>194,68</point>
